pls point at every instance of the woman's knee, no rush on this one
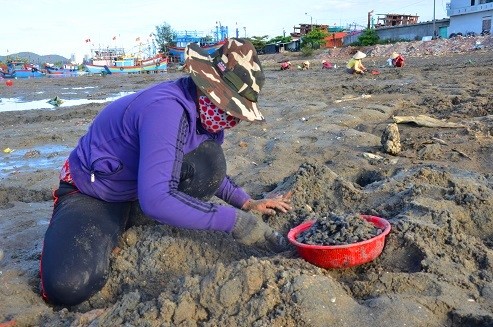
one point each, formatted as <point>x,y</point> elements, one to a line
<point>203,170</point>
<point>69,287</point>
<point>77,247</point>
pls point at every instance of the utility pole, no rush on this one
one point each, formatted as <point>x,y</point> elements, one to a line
<point>434,20</point>
<point>369,19</point>
<point>311,21</point>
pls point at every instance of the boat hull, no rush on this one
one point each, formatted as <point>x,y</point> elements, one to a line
<point>179,52</point>
<point>53,72</point>
<point>158,67</point>
<point>23,73</point>
<point>105,69</point>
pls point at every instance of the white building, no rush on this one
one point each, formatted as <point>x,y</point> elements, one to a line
<point>470,16</point>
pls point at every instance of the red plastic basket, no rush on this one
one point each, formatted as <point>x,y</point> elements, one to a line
<point>341,256</point>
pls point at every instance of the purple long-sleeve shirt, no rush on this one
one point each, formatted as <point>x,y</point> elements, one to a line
<point>134,150</point>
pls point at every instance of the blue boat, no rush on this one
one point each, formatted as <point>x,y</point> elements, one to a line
<point>65,70</point>
<point>178,53</point>
<point>206,42</point>
<point>19,69</point>
<point>114,61</point>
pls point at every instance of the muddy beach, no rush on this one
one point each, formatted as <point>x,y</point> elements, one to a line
<point>322,140</point>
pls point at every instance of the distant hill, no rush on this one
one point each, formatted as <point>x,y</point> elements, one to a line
<point>35,58</point>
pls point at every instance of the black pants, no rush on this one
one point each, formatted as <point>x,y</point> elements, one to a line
<point>84,230</point>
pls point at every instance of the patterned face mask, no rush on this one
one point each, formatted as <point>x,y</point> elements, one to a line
<point>214,119</point>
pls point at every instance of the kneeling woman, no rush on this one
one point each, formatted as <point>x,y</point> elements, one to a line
<point>162,147</point>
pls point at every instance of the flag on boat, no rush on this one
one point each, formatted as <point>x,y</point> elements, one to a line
<point>88,40</point>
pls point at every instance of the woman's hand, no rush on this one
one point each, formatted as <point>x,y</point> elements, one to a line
<point>269,206</point>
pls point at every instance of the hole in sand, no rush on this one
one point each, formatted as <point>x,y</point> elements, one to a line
<point>405,257</point>
<point>489,243</point>
<point>369,177</point>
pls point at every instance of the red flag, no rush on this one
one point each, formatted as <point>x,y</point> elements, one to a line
<point>114,38</point>
<point>88,40</point>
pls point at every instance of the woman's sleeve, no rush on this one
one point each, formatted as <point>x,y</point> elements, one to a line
<point>232,194</point>
<point>163,131</point>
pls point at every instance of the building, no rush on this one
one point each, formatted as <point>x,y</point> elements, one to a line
<point>397,27</point>
<point>303,29</point>
<point>280,47</point>
<point>396,20</point>
<point>414,32</point>
<point>470,16</point>
<point>335,39</point>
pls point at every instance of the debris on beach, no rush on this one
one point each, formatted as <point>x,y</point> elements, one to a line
<point>56,101</point>
<point>425,121</point>
<point>32,154</point>
<point>363,96</point>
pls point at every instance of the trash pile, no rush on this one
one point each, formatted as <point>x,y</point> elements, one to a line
<point>436,47</point>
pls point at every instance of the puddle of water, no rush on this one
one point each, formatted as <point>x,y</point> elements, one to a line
<point>11,104</point>
<point>43,222</point>
<point>78,88</point>
<point>48,156</point>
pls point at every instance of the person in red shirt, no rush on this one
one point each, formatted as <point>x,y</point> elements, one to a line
<point>327,64</point>
<point>397,60</point>
<point>285,65</point>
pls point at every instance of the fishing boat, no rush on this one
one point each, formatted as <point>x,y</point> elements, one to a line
<point>19,69</point>
<point>178,53</point>
<point>157,63</point>
<point>207,42</point>
<point>65,70</point>
<point>115,61</point>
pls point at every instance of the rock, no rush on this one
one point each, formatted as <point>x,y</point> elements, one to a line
<point>391,140</point>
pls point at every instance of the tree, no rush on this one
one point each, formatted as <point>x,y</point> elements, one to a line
<point>314,39</point>
<point>164,37</point>
<point>280,39</point>
<point>368,37</point>
<point>259,42</point>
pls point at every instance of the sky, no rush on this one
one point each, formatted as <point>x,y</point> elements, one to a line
<point>63,26</point>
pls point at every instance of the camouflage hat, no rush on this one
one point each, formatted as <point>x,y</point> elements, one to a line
<point>231,77</point>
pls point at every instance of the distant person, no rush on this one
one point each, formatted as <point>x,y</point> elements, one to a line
<point>10,67</point>
<point>355,66</point>
<point>162,147</point>
<point>327,64</point>
<point>285,65</point>
<point>396,60</point>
